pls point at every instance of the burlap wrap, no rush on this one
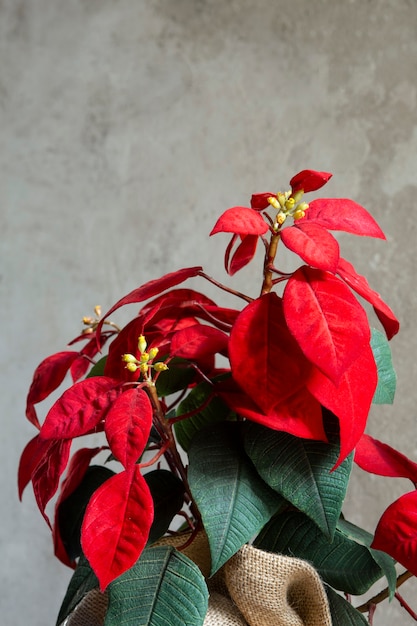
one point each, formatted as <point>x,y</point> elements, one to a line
<point>254,588</point>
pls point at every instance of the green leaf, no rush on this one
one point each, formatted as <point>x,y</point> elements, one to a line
<point>213,410</point>
<point>387,378</point>
<point>385,562</point>
<point>343,563</point>
<point>168,496</point>
<point>163,588</point>
<point>300,470</point>
<point>343,613</point>
<point>71,510</point>
<point>98,368</point>
<point>233,500</point>
<point>83,580</point>
<point>178,376</point>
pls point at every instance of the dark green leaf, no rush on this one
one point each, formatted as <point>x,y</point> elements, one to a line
<point>178,376</point>
<point>343,613</point>
<point>98,368</point>
<point>213,410</point>
<point>168,496</point>
<point>387,378</point>
<point>342,563</point>
<point>163,588</point>
<point>233,500</point>
<point>300,470</point>
<point>71,510</point>
<point>385,562</point>
<point>83,580</point>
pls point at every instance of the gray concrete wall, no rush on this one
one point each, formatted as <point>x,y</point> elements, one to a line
<point>127,127</point>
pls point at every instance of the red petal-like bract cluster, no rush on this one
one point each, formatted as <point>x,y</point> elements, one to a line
<point>290,356</point>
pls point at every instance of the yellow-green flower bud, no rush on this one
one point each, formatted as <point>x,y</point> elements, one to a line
<point>142,343</point>
<point>144,357</point>
<point>144,367</point>
<point>298,195</point>
<point>290,203</point>
<point>298,214</point>
<point>153,352</point>
<point>160,367</point>
<point>129,358</point>
<point>281,199</point>
<point>274,202</point>
<point>132,367</point>
<point>281,217</point>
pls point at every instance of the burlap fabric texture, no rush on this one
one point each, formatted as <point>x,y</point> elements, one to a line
<point>254,588</point>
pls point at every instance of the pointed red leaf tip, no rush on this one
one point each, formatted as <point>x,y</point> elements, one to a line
<point>128,424</point>
<point>343,214</point>
<point>329,324</point>
<point>314,244</point>
<point>243,254</point>
<point>116,524</point>
<point>309,180</point>
<point>240,220</point>
<point>396,532</point>
<point>379,458</point>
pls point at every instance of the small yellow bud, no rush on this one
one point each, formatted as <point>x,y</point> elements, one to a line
<point>281,198</point>
<point>160,367</point>
<point>298,195</point>
<point>281,217</point>
<point>274,202</point>
<point>289,204</point>
<point>144,368</point>
<point>144,357</point>
<point>97,310</point>
<point>153,352</point>
<point>129,358</point>
<point>298,214</point>
<point>87,320</point>
<point>142,343</point>
<point>132,367</point>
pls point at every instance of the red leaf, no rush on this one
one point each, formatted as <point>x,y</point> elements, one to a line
<point>343,214</point>
<point>349,400</point>
<point>32,455</point>
<point>266,361</point>
<point>240,220</point>
<point>299,415</point>
<point>80,408</point>
<point>259,201</point>
<point>90,350</point>
<point>329,324</point>
<point>45,478</point>
<point>76,472</point>
<point>243,254</point>
<point>359,284</point>
<point>116,524</point>
<point>377,457</point>
<point>309,180</point>
<point>396,533</point>
<point>314,244</point>
<point>151,289</point>
<point>198,341</point>
<point>128,424</point>
<point>47,377</point>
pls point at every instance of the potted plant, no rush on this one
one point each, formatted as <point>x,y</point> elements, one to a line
<point>228,437</point>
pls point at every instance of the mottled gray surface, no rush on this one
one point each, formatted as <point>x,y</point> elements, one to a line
<point>127,127</point>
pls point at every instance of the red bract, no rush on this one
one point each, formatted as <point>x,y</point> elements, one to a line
<point>243,254</point>
<point>309,180</point>
<point>359,284</point>
<point>198,341</point>
<point>240,220</point>
<point>377,457</point>
<point>350,399</point>
<point>47,377</point>
<point>32,455</point>
<point>342,214</point>
<point>151,289</point>
<point>329,324</point>
<point>76,472</point>
<point>128,424</point>
<point>46,475</point>
<point>266,361</point>
<point>314,244</point>
<point>116,524</point>
<point>80,409</point>
<point>259,201</point>
<point>396,532</point>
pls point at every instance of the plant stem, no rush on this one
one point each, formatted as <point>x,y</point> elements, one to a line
<point>269,263</point>
<point>382,595</point>
<point>228,289</point>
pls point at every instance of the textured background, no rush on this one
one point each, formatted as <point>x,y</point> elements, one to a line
<point>127,127</point>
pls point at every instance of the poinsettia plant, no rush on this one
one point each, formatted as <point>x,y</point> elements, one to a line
<point>239,422</point>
